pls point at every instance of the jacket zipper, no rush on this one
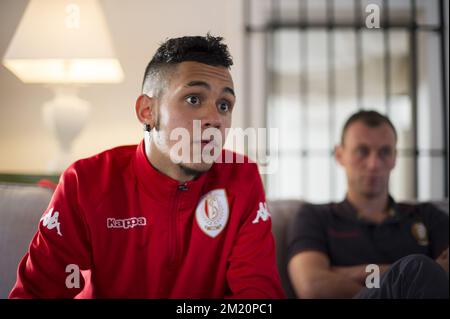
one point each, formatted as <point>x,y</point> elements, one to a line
<point>173,233</point>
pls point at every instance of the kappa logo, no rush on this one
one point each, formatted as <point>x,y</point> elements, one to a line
<point>126,223</point>
<point>212,212</point>
<point>50,220</point>
<point>262,213</point>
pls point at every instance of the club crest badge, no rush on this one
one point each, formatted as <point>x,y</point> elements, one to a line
<point>420,233</point>
<point>212,212</point>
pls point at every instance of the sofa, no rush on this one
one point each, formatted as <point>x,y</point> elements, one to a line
<point>21,206</point>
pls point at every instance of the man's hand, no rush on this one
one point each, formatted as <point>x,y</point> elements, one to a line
<point>443,260</point>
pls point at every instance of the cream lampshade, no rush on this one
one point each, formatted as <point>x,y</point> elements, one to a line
<point>64,44</point>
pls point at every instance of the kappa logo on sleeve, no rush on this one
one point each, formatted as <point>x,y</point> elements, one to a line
<point>262,213</point>
<point>50,220</point>
<point>126,223</point>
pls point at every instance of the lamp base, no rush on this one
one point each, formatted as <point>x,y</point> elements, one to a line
<point>65,115</point>
<point>58,164</point>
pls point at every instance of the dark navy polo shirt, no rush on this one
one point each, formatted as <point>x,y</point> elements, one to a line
<point>336,230</point>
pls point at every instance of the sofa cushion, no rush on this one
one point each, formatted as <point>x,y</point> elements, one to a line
<point>21,207</point>
<point>282,213</point>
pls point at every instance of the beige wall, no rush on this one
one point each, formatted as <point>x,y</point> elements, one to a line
<point>137,27</point>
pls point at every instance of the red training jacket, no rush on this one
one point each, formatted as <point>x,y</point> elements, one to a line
<point>142,234</point>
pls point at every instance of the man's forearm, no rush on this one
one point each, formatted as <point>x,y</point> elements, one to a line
<point>329,284</point>
<point>357,273</point>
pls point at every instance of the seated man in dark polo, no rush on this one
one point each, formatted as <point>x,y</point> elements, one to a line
<point>331,245</point>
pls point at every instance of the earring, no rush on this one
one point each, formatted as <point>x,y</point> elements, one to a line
<point>147,127</point>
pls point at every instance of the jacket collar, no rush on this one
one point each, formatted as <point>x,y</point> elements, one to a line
<point>160,186</point>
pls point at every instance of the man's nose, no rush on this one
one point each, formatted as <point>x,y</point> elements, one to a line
<point>373,161</point>
<point>212,117</point>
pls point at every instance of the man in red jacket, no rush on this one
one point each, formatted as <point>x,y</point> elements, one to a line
<point>146,222</point>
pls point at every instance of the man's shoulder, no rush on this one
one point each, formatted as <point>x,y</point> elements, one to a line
<point>322,214</point>
<point>423,209</point>
<point>108,163</point>
<point>323,209</point>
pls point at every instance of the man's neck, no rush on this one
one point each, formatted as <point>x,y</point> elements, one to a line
<point>164,165</point>
<point>371,208</point>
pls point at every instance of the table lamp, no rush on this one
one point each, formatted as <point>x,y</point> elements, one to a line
<point>63,44</point>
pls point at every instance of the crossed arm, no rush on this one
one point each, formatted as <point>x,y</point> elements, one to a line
<point>313,277</point>
<point>443,260</point>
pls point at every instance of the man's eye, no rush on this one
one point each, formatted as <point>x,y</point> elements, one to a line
<point>194,100</point>
<point>223,107</point>
<point>385,152</point>
<point>362,151</point>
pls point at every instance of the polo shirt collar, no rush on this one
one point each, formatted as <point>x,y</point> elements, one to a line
<point>346,210</point>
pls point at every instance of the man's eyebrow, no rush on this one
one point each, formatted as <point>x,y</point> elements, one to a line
<point>207,86</point>
<point>198,83</point>
<point>229,90</point>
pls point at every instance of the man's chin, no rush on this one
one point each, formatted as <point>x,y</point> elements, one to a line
<point>372,193</point>
<point>194,169</point>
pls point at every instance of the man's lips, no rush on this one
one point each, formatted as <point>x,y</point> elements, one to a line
<point>205,142</point>
<point>372,179</point>
<point>372,176</point>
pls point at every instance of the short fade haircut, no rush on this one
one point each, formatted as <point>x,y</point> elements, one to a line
<point>203,49</point>
<point>369,118</point>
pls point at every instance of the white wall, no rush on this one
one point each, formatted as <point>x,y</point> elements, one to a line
<point>137,28</point>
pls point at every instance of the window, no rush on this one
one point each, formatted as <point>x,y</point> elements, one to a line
<point>315,62</point>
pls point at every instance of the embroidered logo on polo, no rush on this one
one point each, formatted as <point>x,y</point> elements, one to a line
<point>50,220</point>
<point>126,223</point>
<point>212,212</point>
<point>420,233</point>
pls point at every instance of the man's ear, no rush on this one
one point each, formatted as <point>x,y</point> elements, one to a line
<point>146,109</point>
<point>339,154</point>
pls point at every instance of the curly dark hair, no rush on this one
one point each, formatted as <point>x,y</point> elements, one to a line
<point>204,49</point>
